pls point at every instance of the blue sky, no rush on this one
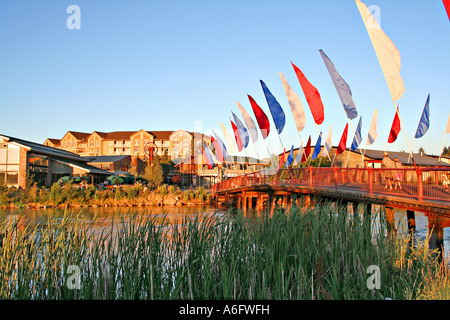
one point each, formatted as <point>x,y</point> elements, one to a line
<point>166,65</point>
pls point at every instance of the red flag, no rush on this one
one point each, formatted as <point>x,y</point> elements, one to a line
<point>307,150</point>
<point>447,7</point>
<point>237,136</point>
<point>261,117</point>
<point>280,164</point>
<point>312,96</point>
<point>395,129</point>
<point>343,143</point>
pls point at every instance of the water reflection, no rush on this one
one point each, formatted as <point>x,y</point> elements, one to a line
<point>104,217</point>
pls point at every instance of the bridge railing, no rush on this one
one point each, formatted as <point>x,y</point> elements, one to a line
<point>419,183</point>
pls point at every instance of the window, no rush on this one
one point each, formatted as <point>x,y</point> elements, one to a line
<point>137,142</point>
<point>136,150</point>
<point>9,164</point>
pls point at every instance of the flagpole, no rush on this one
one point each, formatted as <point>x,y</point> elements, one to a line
<point>442,148</point>
<point>404,132</point>
<point>409,158</point>
<point>320,133</point>
<point>301,143</point>
<point>354,135</point>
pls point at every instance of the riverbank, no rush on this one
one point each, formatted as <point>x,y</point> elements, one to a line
<point>72,196</point>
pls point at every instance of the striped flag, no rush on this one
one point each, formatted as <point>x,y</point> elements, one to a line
<point>228,139</point>
<point>388,55</point>
<point>424,122</point>
<point>261,117</point>
<point>318,147</point>
<point>327,146</point>
<point>251,126</point>
<point>295,103</point>
<point>207,156</point>
<point>373,129</point>
<point>357,139</point>
<point>275,108</point>
<point>237,137</point>
<point>290,157</point>
<point>243,133</point>
<point>221,150</point>
<point>344,92</point>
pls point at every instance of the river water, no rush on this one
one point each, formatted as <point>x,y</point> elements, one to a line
<point>174,215</point>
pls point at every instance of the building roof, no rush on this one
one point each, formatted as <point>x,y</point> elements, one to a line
<point>42,149</point>
<point>403,157</point>
<point>54,141</point>
<point>85,167</point>
<point>118,135</point>
<point>163,135</point>
<point>244,160</point>
<point>79,135</point>
<point>106,159</point>
<point>67,157</point>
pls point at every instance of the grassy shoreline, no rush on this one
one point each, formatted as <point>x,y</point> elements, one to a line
<point>71,195</point>
<point>321,253</point>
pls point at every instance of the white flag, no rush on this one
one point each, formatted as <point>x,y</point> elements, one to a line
<point>447,130</point>
<point>327,146</point>
<point>298,157</point>
<point>296,105</point>
<point>373,129</point>
<point>229,140</point>
<point>251,126</point>
<point>387,53</point>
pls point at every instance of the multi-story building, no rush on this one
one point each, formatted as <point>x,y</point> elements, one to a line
<point>178,145</point>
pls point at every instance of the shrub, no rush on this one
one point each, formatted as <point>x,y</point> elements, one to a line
<point>56,194</point>
<point>162,190</point>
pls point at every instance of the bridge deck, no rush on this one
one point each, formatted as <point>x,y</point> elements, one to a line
<point>358,185</point>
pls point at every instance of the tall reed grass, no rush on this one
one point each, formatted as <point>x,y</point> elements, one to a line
<point>322,253</point>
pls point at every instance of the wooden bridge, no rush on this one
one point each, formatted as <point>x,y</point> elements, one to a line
<point>422,190</point>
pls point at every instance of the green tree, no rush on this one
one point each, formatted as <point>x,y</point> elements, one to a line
<point>446,152</point>
<point>154,173</point>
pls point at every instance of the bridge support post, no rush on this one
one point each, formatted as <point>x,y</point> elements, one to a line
<point>411,217</point>
<point>390,221</point>
<point>367,218</point>
<point>436,233</point>
<point>354,205</point>
<point>244,202</point>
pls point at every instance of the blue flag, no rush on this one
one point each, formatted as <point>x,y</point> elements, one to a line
<point>243,133</point>
<point>318,147</point>
<point>290,157</point>
<point>357,139</point>
<point>275,109</point>
<point>342,88</point>
<point>424,120</point>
